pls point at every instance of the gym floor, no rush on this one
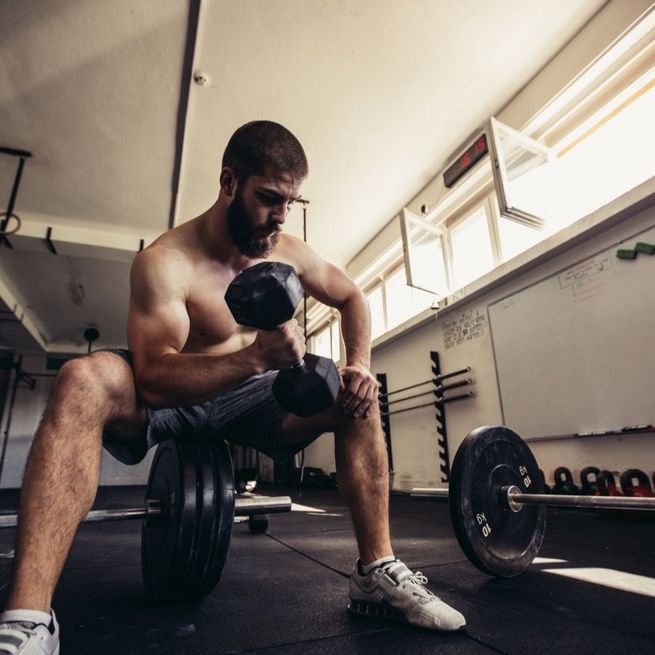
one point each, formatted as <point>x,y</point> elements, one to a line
<point>286,592</point>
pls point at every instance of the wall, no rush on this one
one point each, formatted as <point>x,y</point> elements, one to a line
<point>406,361</point>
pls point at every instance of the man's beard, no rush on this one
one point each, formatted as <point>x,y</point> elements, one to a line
<point>242,234</point>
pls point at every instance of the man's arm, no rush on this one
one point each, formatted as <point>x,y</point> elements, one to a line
<point>158,328</point>
<point>331,286</point>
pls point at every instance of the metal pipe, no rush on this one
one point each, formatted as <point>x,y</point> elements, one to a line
<point>243,506</point>
<point>450,399</point>
<point>455,385</point>
<point>516,499</point>
<point>444,376</point>
<point>411,386</point>
<point>416,395</point>
<point>408,409</point>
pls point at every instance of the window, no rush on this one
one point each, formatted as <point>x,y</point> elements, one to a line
<point>425,262</point>
<point>327,341</point>
<point>376,305</point>
<point>515,238</point>
<point>403,302</point>
<point>609,155</point>
<point>592,143</point>
<point>472,254</point>
<point>321,343</point>
<point>335,340</point>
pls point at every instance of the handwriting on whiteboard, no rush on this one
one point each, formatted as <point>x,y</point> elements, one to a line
<point>586,270</point>
<point>587,279</point>
<point>468,326</point>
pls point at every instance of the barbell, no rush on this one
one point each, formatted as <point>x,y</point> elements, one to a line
<point>187,517</point>
<point>497,504</point>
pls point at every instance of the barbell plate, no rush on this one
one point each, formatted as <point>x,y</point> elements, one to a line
<point>224,493</point>
<point>165,546</point>
<point>496,539</point>
<point>201,551</point>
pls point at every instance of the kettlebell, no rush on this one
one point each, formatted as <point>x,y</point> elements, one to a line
<point>635,483</point>
<point>588,486</point>
<point>564,482</point>
<point>607,487</point>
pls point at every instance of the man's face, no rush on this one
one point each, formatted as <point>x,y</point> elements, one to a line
<point>258,211</point>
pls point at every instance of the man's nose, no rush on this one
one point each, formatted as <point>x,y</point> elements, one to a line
<point>280,211</point>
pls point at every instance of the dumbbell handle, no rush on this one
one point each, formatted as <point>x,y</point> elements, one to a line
<point>152,511</point>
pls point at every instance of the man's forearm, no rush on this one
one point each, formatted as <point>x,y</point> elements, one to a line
<point>356,330</point>
<point>183,379</point>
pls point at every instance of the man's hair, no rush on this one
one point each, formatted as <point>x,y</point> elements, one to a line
<point>259,147</point>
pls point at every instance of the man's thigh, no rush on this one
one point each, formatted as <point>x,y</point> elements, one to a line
<point>248,416</point>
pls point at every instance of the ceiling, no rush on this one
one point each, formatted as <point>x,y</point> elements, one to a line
<point>126,143</point>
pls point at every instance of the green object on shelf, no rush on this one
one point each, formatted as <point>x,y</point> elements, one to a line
<point>646,248</point>
<point>626,254</point>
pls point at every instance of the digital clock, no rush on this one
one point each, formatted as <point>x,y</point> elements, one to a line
<point>466,161</point>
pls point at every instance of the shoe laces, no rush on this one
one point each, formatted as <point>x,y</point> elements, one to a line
<point>418,582</point>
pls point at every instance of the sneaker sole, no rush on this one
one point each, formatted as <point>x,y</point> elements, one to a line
<point>382,611</point>
<point>386,611</point>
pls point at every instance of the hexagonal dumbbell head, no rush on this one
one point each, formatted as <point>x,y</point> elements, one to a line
<point>265,295</point>
<point>308,389</point>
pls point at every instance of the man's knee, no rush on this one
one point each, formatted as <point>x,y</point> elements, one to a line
<point>101,379</point>
<point>348,422</point>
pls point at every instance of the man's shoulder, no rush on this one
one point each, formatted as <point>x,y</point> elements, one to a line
<point>163,255</point>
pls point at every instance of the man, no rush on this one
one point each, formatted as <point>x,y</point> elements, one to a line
<point>191,367</point>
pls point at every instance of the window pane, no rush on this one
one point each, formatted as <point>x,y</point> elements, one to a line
<point>615,155</point>
<point>424,256</point>
<point>321,343</point>
<point>471,246</point>
<point>335,334</point>
<point>377,312</point>
<point>516,237</point>
<point>403,302</point>
<point>529,183</point>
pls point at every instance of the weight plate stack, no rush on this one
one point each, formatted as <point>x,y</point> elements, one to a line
<point>184,553</point>
<point>223,522</point>
<point>166,544</point>
<point>496,539</point>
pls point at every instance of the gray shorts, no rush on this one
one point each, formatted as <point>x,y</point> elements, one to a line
<point>248,416</point>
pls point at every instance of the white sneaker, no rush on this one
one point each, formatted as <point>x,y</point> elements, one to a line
<point>392,591</point>
<point>20,636</point>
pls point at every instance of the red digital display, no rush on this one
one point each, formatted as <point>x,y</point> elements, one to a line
<point>465,161</point>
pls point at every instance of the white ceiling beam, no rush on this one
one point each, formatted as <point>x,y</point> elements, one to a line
<point>42,233</point>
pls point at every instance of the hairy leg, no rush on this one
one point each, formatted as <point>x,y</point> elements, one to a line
<point>362,472</point>
<point>63,469</point>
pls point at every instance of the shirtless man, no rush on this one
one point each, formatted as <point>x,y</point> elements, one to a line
<point>187,352</point>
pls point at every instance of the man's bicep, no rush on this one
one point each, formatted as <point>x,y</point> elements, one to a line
<point>160,330</point>
<point>158,322</point>
<point>328,284</point>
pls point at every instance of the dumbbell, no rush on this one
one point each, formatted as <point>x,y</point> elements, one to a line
<point>265,296</point>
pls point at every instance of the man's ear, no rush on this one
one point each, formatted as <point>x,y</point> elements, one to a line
<point>228,181</point>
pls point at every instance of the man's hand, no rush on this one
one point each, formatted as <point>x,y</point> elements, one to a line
<point>359,390</point>
<point>283,347</point>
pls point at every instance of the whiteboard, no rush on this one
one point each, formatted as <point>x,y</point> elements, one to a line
<point>575,352</point>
